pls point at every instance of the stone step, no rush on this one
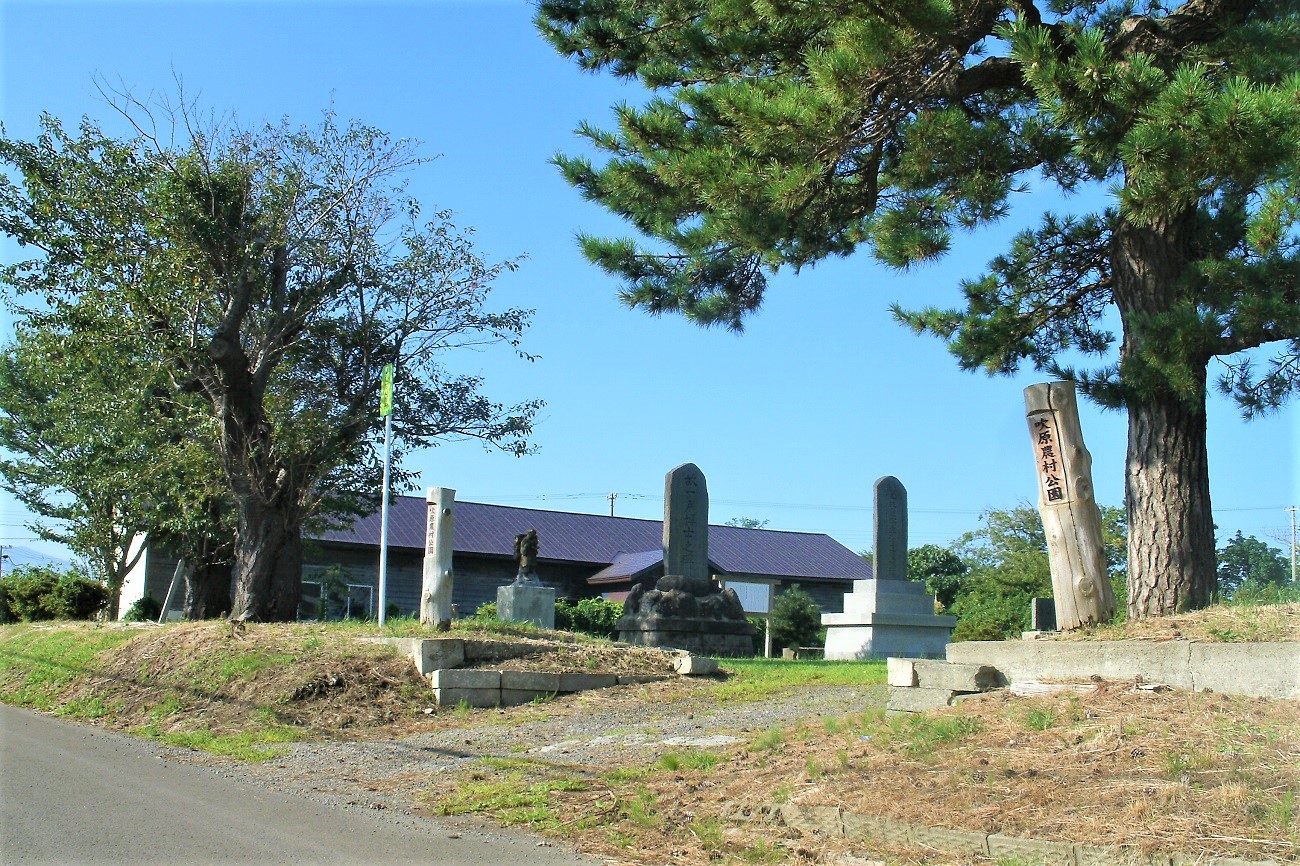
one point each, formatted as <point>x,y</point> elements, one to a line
<point>918,700</point>
<point>939,674</point>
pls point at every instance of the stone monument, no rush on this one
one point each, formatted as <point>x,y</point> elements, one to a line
<point>435,591</point>
<point>888,615</point>
<point>687,609</point>
<point>1076,552</point>
<point>526,600</point>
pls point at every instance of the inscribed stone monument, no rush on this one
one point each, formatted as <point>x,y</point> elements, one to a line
<point>526,600</point>
<point>687,609</point>
<point>888,615</point>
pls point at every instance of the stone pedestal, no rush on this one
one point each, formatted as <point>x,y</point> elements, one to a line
<point>887,618</point>
<point>708,637</point>
<point>521,602</point>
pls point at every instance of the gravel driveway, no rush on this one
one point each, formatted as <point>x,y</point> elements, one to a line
<point>630,725</point>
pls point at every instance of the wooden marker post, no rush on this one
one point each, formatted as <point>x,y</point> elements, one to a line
<point>1068,506</point>
<point>435,592</point>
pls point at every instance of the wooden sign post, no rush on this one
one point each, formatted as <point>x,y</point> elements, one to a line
<point>435,593</point>
<point>1068,506</point>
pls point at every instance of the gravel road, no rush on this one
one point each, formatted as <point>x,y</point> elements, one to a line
<point>629,725</point>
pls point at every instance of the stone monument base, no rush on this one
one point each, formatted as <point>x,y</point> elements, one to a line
<point>520,602</point>
<point>710,637</point>
<point>887,618</point>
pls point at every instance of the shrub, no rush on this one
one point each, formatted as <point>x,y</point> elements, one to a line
<point>984,616</point>
<point>144,609</point>
<point>38,592</point>
<point>594,616</point>
<point>796,619</point>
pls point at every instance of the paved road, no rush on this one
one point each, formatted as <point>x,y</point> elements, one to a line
<point>74,794</point>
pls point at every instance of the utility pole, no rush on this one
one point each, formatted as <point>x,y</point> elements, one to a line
<point>614,496</point>
<point>4,556</point>
<point>1292,510</point>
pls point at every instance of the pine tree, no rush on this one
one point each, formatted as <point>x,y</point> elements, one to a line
<point>784,133</point>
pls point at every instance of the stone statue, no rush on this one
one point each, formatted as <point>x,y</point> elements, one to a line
<point>526,556</point>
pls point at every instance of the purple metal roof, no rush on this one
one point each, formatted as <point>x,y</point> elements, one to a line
<point>599,540</point>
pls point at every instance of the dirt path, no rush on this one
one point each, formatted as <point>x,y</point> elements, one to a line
<point>591,732</point>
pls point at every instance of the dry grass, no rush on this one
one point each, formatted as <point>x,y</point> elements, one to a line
<point>1231,623</point>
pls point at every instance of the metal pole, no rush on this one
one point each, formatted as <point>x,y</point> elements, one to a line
<point>383,517</point>
<point>1293,510</point>
<point>612,497</point>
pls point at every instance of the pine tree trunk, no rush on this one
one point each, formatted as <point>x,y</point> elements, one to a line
<point>268,564</point>
<point>1167,481</point>
<point>1171,558</point>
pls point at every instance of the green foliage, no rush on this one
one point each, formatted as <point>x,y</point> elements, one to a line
<point>1247,560</point>
<point>1008,565</point>
<point>796,619</point>
<point>941,570</point>
<point>41,592</point>
<point>143,609</point>
<point>594,616</point>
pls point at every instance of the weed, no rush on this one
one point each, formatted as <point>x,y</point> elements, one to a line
<point>757,679</point>
<point>918,734</point>
<point>709,832</point>
<point>511,799</point>
<point>1040,719</point>
<point>257,745</point>
<point>831,724</point>
<point>693,759</point>
<point>642,809</point>
<point>627,774</point>
<point>770,740</point>
<point>781,793</point>
<point>462,710</point>
<point>813,769</point>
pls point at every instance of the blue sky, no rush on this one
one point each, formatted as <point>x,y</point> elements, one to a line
<point>792,422</point>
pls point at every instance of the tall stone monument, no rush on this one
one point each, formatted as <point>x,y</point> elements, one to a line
<point>527,600</point>
<point>687,609</point>
<point>888,615</point>
<point>1076,552</point>
<point>435,590</point>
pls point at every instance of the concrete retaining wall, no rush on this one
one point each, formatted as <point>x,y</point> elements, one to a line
<point>835,822</point>
<point>1268,670</point>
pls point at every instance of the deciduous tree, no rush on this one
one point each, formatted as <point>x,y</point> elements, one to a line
<point>275,271</point>
<point>780,134</point>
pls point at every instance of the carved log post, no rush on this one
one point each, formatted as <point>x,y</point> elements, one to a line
<point>1068,506</point>
<point>435,593</point>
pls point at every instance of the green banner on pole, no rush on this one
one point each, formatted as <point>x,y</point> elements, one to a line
<point>386,391</point>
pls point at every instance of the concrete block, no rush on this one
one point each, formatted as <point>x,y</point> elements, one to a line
<point>525,603</point>
<point>585,682</point>
<point>437,654</point>
<point>536,681</point>
<point>1266,670</point>
<point>1031,850</point>
<point>919,700</point>
<point>813,819</point>
<point>869,828</point>
<point>848,642</point>
<point>901,672</point>
<point>638,679</point>
<point>515,697</point>
<point>1192,860</point>
<point>936,674</point>
<point>1088,855</point>
<point>461,678</point>
<point>951,841</point>
<point>449,697</point>
<point>695,666</point>
<point>1154,661</point>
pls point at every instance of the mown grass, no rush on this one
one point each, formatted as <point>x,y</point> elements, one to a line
<point>38,663</point>
<point>757,679</point>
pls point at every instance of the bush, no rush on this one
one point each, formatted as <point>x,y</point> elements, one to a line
<point>985,616</point>
<point>144,609</point>
<point>796,620</point>
<point>39,592</point>
<point>597,617</point>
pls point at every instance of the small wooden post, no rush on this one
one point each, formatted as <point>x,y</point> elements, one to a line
<point>435,593</point>
<point>1068,506</point>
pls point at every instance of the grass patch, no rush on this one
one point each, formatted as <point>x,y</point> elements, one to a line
<point>757,679</point>
<point>513,798</point>
<point>693,759</point>
<point>256,745</point>
<point>38,662</point>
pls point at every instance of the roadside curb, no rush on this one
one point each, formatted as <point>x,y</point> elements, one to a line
<point>836,822</point>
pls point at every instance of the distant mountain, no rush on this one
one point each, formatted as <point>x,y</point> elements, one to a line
<point>15,556</point>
